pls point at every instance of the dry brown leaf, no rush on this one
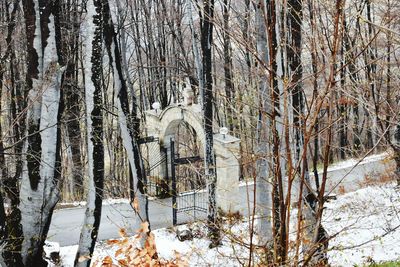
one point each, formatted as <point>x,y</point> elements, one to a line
<point>113,241</point>
<point>119,252</point>
<point>122,232</point>
<point>130,255</point>
<point>83,258</point>
<point>142,252</point>
<point>136,261</point>
<point>180,261</point>
<point>136,237</point>
<point>150,245</point>
<point>124,242</point>
<point>123,263</point>
<point>144,227</point>
<point>129,249</point>
<point>107,261</point>
<point>135,204</point>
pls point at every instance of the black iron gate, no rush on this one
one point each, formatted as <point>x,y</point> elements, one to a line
<point>156,167</point>
<point>189,194</point>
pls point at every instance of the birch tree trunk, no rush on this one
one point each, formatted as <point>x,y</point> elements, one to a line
<point>92,39</point>
<point>196,53</point>
<point>41,166</point>
<point>129,131</point>
<point>263,179</point>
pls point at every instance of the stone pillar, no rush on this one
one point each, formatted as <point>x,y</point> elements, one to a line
<point>158,174</point>
<point>228,172</point>
<point>167,167</point>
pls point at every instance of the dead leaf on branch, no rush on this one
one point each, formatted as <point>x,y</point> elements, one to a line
<point>135,204</point>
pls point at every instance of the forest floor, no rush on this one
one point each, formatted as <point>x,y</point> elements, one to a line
<point>364,226</point>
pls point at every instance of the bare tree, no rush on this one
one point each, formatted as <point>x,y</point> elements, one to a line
<point>93,43</point>
<point>206,48</point>
<point>41,160</point>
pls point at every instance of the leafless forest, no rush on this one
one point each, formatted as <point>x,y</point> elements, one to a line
<point>300,84</point>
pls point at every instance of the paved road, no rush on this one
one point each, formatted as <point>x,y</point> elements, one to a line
<point>66,223</point>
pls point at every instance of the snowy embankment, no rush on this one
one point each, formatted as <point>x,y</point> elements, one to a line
<point>367,224</point>
<point>75,204</point>
<point>364,226</point>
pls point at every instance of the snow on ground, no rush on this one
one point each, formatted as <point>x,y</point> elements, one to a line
<point>368,223</point>
<point>364,225</point>
<point>196,250</point>
<point>341,165</point>
<point>107,201</point>
<point>353,162</point>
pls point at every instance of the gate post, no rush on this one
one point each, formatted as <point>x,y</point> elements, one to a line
<point>173,176</point>
<point>228,172</point>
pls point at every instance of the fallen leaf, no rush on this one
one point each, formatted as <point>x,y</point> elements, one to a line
<point>144,227</point>
<point>107,260</point>
<point>123,263</point>
<point>119,252</point>
<point>112,242</point>
<point>84,258</point>
<point>122,232</point>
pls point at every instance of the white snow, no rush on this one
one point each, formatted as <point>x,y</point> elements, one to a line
<point>50,247</point>
<point>108,201</point>
<point>354,162</point>
<point>368,214</point>
<point>341,165</point>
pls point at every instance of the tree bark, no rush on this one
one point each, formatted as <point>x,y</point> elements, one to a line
<point>92,37</point>
<point>206,47</point>
<point>41,170</point>
<point>228,75</point>
<point>73,95</point>
<point>263,173</point>
<point>129,131</point>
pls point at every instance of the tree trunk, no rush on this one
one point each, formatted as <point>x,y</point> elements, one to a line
<point>129,131</point>
<point>396,149</point>
<point>229,85</point>
<point>72,109</point>
<point>41,170</point>
<point>263,174</point>
<point>206,47</point>
<point>92,37</point>
<point>196,53</point>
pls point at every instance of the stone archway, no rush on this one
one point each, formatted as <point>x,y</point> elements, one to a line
<point>163,125</point>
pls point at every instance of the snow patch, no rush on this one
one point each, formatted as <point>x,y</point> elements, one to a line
<point>364,226</point>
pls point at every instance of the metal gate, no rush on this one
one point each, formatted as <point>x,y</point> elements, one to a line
<point>189,194</point>
<point>156,168</point>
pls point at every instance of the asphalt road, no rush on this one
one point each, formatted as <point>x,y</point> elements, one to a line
<point>66,223</point>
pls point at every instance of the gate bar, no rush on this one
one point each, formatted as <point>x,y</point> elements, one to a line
<point>173,176</point>
<point>187,160</point>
